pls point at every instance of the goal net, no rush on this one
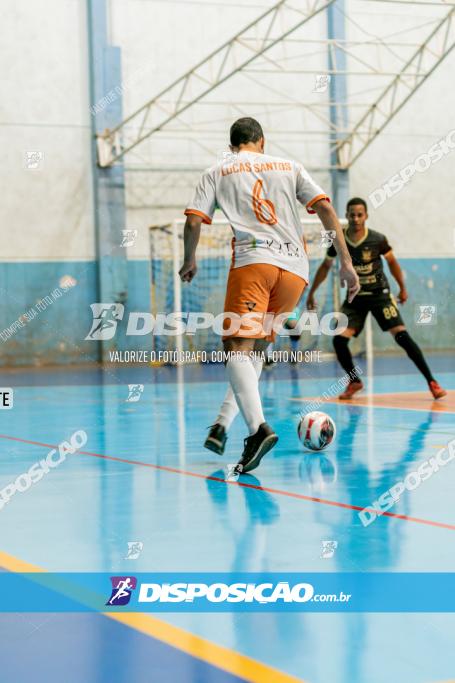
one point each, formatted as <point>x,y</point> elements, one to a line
<point>206,292</point>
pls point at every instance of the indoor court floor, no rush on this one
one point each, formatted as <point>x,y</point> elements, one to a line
<point>144,476</point>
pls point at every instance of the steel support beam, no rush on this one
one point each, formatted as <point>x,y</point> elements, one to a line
<point>108,183</point>
<point>255,40</point>
<point>338,99</point>
<point>415,72</point>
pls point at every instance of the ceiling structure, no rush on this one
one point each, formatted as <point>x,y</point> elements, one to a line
<point>256,72</point>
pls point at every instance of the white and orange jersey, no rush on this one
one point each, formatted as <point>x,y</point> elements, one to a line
<point>258,194</point>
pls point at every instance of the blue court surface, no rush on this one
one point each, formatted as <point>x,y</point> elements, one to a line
<point>143,476</point>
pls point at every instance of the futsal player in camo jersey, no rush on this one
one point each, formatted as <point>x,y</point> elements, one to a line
<point>367,247</point>
<point>259,194</point>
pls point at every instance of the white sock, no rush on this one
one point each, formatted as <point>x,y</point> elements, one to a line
<point>245,385</point>
<point>229,408</point>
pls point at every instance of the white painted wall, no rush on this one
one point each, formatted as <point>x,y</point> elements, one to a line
<point>46,213</point>
<point>420,220</point>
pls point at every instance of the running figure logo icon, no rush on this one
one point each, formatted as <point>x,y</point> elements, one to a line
<point>105,321</point>
<point>426,314</point>
<point>34,160</point>
<point>134,550</point>
<point>134,392</point>
<point>129,238</point>
<point>321,82</point>
<point>122,587</point>
<point>328,549</point>
<point>327,237</point>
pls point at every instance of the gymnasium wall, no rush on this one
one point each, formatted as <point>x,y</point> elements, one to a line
<point>47,212</point>
<point>418,220</point>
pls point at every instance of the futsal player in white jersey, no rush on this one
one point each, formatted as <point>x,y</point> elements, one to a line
<point>259,196</point>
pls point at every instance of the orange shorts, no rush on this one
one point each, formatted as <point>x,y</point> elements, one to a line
<point>254,291</point>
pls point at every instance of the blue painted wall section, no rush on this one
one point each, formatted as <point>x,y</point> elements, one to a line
<point>56,328</point>
<point>56,334</point>
<point>429,281</point>
<point>40,322</point>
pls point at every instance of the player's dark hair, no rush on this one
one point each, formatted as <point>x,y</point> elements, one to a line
<point>245,130</point>
<point>356,200</point>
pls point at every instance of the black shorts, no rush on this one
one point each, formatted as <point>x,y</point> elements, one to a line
<point>382,306</point>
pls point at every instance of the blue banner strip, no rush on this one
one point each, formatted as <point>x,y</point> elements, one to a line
<point>227,592</point>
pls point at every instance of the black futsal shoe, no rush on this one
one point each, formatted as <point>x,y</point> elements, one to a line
<point>256,446</point>
<point>216,440</point>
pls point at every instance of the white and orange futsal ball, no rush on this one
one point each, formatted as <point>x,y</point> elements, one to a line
<point>316,430</point>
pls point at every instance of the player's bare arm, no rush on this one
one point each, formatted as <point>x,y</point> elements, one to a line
<point>329,220</point>
<point>398,276</point>
<point>191,234</point>
<point>320,276</point>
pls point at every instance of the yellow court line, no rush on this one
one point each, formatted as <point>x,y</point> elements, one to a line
<point>217,655</point>
<point>222,657</point>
